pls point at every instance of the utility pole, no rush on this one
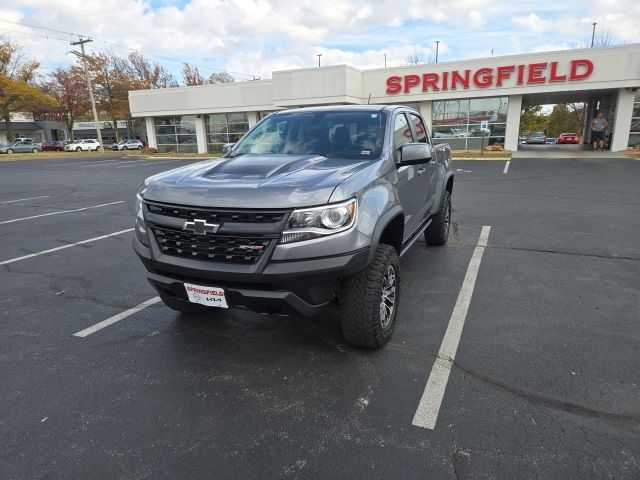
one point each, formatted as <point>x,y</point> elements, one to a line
<point>437,46</point>
<point>318,55</point>
<point>82,55</point>
<point>593,33</point>
<point>385,59</point>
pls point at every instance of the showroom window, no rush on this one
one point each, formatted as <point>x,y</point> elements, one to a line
<point>457,122</point>
<point>225,128</point>
<point>176,134</point>
<point>634,134</point>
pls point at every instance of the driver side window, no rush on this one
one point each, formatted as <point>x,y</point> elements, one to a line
<point>401,134</point>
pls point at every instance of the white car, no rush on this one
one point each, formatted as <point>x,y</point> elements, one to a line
<point>85,145</point>
<point>130,145</point>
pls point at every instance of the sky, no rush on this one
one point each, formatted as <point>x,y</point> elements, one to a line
<point>252,38</point>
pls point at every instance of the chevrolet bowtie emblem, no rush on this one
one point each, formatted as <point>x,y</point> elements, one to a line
<point>200,227</point>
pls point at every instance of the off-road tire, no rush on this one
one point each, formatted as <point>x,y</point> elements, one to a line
<point>182,306</point>
<point>361,297</point>
<point>437,233</point>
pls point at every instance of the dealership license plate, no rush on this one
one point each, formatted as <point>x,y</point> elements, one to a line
<point>209,296</point>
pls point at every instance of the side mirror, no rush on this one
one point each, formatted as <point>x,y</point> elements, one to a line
<point>414,153</point>
<point>226,148</point>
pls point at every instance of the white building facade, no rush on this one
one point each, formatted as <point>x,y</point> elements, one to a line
<point>454,97</point>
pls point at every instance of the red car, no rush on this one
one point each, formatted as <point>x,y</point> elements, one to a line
<point>53,146</point>
<point>568,138</point>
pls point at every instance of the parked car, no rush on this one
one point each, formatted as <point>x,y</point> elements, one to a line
<point>537,137</point>
<point>131,145</point>
<point>85,145</point>
<point>568,138</point>
<point>293,223</point>
<point>19,147</point>
<point>54,145</point>
<point>550,141</point>
<point>24,139</point>
<point>116,146</point>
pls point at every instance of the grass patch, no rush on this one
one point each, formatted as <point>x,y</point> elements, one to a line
<point>460,154</point>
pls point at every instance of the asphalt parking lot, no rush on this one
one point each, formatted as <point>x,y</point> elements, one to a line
<point>545,382</point>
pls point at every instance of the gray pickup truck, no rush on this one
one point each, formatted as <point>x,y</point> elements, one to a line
<point>312,207</point>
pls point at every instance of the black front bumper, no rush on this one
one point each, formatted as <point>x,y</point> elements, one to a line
<point>303,287</point>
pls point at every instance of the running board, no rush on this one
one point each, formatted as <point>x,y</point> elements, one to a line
<point>414,237</point>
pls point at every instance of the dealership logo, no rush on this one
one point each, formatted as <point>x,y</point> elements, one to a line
<point>200,227</point>
<point>530,74</point>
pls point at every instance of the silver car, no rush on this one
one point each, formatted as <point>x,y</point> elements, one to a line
<point>130,145</point>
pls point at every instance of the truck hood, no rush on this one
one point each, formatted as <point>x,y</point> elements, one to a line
<point>253,181</point>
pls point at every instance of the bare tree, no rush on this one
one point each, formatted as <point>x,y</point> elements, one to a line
<point>606,38</point>
<point>149,74</point>
<point>221,77</point>
<point>414,59</point>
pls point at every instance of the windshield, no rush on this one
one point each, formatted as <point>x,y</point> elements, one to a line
<point>346,134</point>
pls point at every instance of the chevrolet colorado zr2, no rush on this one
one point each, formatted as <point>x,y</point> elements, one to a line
<point>312,207</point>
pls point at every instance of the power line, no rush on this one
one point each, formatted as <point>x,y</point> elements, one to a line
<point>152,55</point>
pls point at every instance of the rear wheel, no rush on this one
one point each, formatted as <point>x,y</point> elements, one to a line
<point>181,306</point>
<point>97,149</point>
<point>35,150</point>
<point>369,300</point>
<point>125,148</point>
<point>438,231</point>
<point>139,147</point>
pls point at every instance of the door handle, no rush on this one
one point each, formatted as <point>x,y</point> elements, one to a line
<point>421,171</point>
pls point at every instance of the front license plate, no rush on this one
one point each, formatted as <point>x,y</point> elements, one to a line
<point>209,296</point>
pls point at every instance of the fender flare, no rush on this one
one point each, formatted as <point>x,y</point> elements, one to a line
<point>381,224</point>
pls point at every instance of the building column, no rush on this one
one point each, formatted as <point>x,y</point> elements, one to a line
<point>512,132</point>
<point>426,110</point>
<point>253,118</point>
<point>151,132</point>
<point>622,121</point>
<point>201,134</point>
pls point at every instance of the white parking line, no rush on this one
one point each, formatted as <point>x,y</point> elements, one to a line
<point>100,164</point>
<point>82,162</point>
<point>506,167</point>
<point>24,199</point>
<point>116,318</point>
<point>429,406</point>
<point>44,252</point>
<point>58,213</point>
<point>145,163</point>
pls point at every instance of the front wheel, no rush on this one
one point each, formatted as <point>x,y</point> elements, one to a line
<point>9,151</point>
<point>438,231</point>
<point>78,149</point>
<point>370,299</point>
<point>125,148</point>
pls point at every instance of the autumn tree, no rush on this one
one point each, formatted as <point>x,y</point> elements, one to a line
<point>149,74</point>
<point>67,86</point>
<point>18,89</point>
<point>532,119</point>
<point>192,76</point>
<point>563,119</point>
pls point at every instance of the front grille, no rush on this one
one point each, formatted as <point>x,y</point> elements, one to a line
<point>217,215</point>
<point>214,248</point>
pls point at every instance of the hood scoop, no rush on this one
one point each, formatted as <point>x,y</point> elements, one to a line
<point>259,167</point>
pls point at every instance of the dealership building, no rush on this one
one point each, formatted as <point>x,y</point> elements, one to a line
<point>456,98</point>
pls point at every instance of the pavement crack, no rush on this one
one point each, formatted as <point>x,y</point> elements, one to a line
<point>566,252</point>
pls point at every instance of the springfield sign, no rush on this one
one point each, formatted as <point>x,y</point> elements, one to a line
<point>529,74</point>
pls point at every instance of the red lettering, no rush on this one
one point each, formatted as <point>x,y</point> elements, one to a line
<point>535,72</point>
<point>575,64</point>
<point>483,77</point>
<point>430,80</point>
<point>457,78</point>
<point>393,85</point>
<point>520,75</point>
<point>503,73</point>
<point>445,78</point>
<point>553,76</point>
<point>410,81</point>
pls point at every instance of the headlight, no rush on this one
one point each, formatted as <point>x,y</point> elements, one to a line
<point>310,223</point>
<point>141,231</point>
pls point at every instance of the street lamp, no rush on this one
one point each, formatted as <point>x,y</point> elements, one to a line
<point>593,34</point>
<point>437,45</point>
<point>318,55</point>
<point>385,59</point>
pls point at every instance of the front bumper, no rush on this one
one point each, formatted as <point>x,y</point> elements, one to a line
<point>304,287</point>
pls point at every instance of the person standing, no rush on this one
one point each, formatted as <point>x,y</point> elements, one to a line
<point>598,126</point>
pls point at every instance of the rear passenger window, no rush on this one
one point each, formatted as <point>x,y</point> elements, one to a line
<point>418,125</point>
